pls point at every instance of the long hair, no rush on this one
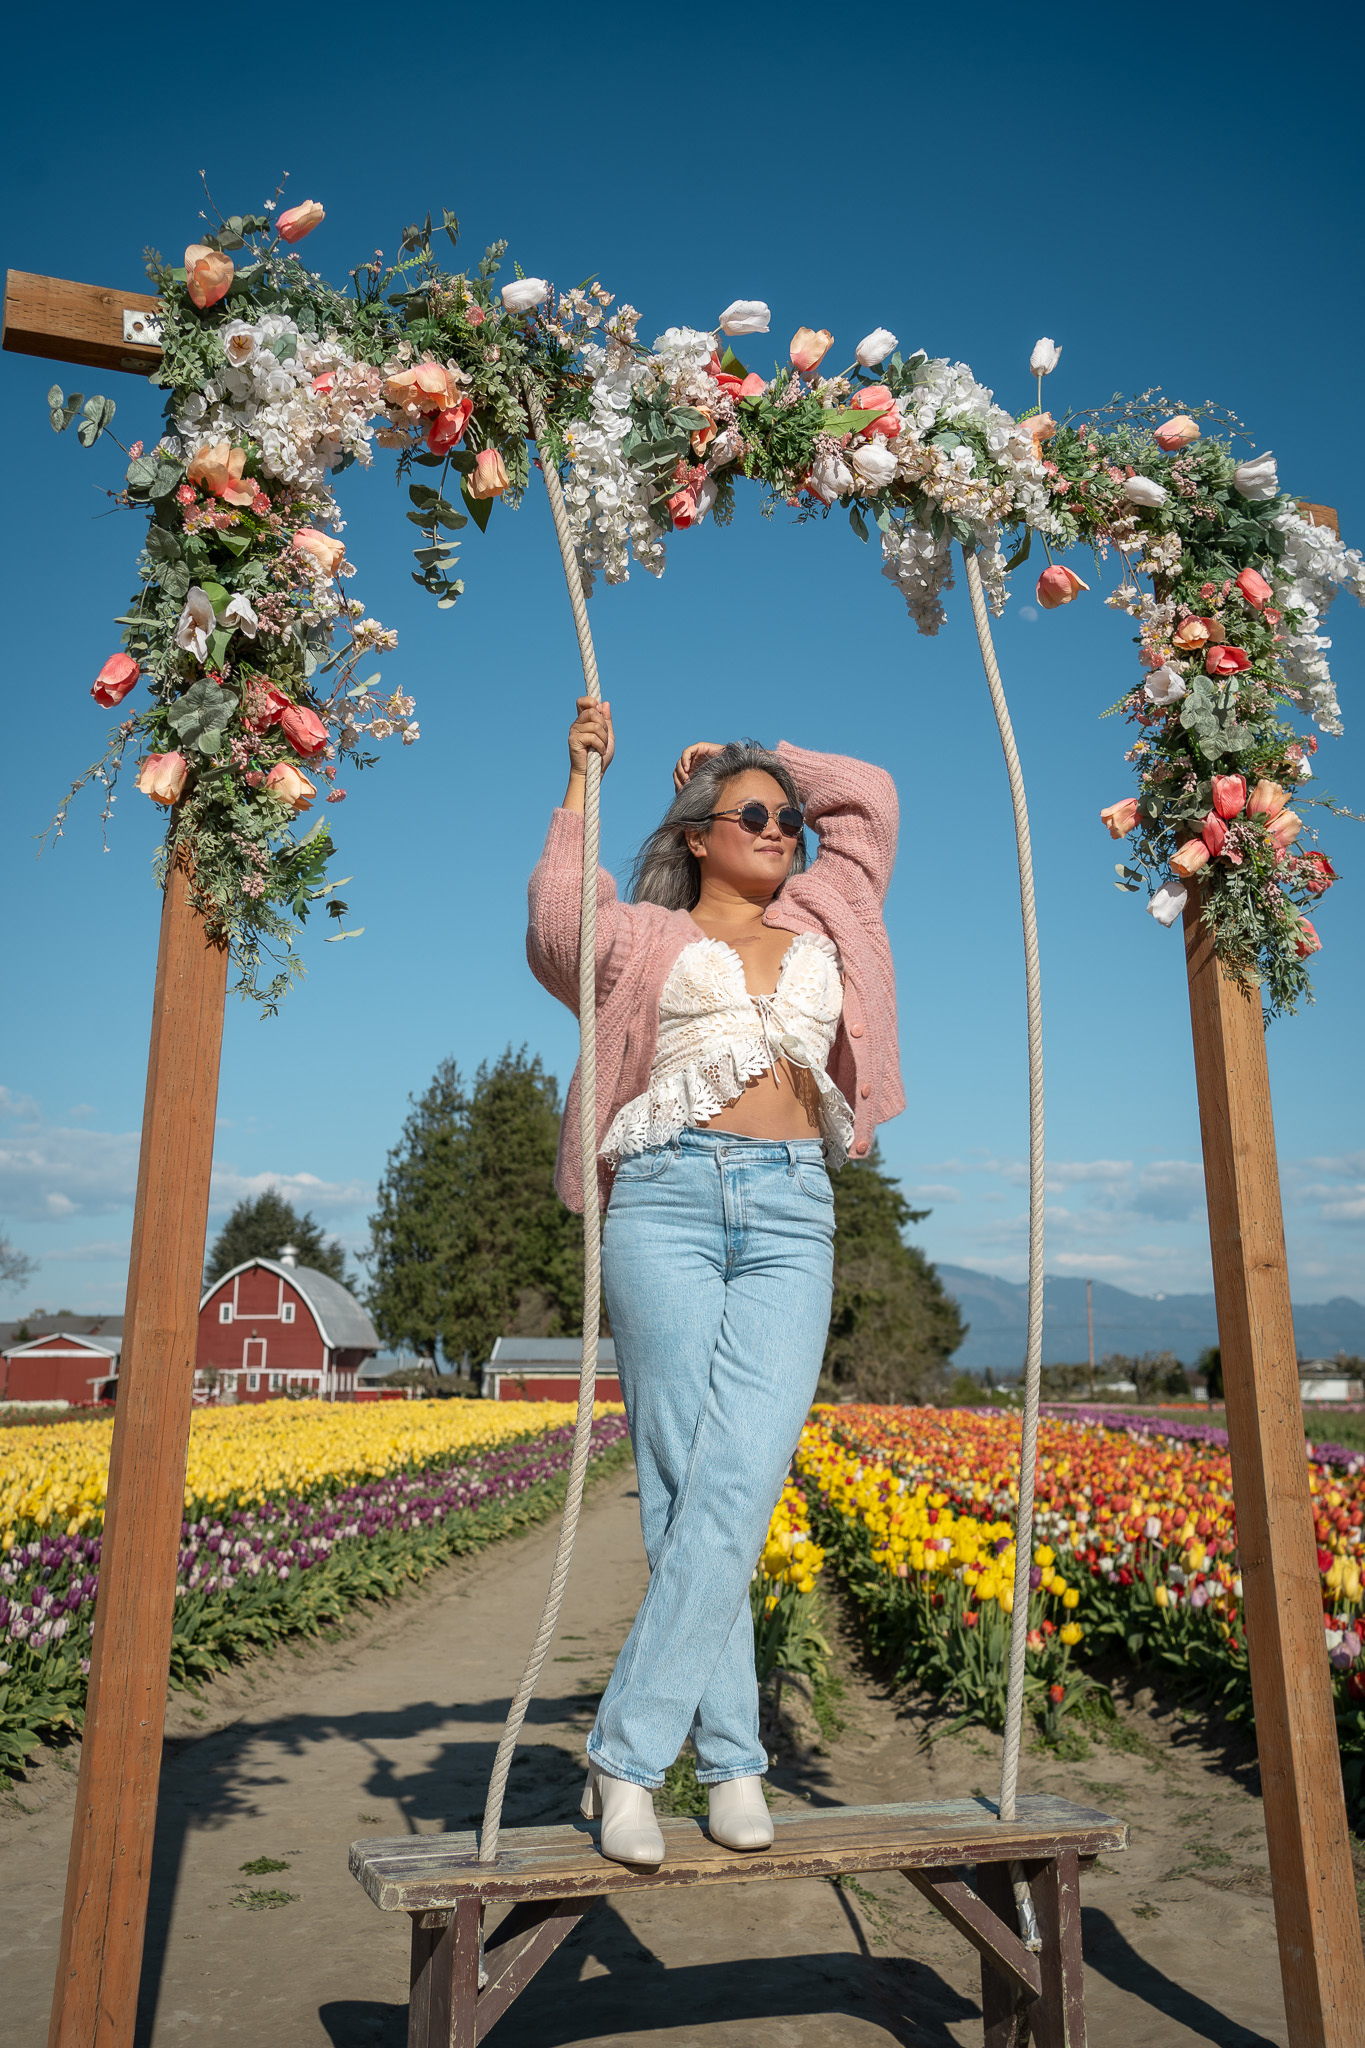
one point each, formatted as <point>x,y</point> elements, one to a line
<point>666,870</point>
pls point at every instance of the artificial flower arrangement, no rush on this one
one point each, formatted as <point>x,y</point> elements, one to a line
<point>277,381</point>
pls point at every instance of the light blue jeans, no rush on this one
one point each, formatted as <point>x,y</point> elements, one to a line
<point>717,1261</point>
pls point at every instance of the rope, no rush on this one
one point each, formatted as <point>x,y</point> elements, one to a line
<point>1028,1449</point>
<point>592,1246</point>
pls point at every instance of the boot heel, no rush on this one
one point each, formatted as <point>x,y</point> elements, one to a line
<point>590,1805</point>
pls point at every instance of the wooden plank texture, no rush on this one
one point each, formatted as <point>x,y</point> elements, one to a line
<point>75,323</point>
<point>520,1946</point>
<point>992,1936</point>
<point>1057,2020</point>
<point>1316,1920</point>
<point>95,1999</point>
<point>418,1873</point>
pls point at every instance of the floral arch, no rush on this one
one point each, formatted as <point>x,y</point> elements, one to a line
<point>257,657</point>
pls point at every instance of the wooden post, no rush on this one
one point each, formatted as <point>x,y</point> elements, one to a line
<point>1316,1917</point>
<point>95,2001</point>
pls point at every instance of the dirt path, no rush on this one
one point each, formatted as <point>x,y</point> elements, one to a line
<point>394,1729</point>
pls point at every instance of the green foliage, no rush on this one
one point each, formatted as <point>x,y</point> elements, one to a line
<point>259,1228</point>
<point>470,1242</point>
<point>892,1328</point>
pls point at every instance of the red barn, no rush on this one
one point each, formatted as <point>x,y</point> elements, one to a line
<point>546,1369</point>
<point>271,1327</point>
<point>69,1358</point>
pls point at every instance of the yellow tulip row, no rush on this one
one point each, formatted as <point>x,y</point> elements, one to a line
<point>53,1477</point>
<point>790,1556</point>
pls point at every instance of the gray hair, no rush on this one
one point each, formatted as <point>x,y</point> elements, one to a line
<point>666,870</point>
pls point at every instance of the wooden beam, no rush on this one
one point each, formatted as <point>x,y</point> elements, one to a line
<point>994,1939</point>
<point>77,323</point>
<point>95,2001</point>
<point>1316,1917</point>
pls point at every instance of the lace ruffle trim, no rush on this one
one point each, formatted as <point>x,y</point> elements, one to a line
<point>700,1090</point>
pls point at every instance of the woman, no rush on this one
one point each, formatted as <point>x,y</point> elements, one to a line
<point>746,1041</point>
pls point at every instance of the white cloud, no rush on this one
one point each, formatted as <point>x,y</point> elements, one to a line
<point>304,1190</point>
<point>51,1171</point>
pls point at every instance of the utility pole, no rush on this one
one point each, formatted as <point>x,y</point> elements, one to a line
<point>1090,1329</point>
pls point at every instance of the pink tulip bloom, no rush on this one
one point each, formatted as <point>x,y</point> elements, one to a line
<point>320,548</point>
<point>810,345</point>
<point>1120,817</point>
<point>297,221</point>
<point>1177,433</point>
<point>1307,941</point>
<point>1285,829</point>
<point>1058,586</point>
<point>751,386</point>
<point>489,477</point>
<point>162,777</point>
<point>447,429</point>
<point>877,399</point>
<point>272,709</point>
<point>1225,661</point>
<point>303,729</point>
<point>115,680</point>
<point>218,468</point>
<point>1267,800</point>
<point>285,782</point>
<point>1229,795</point>
<point>1254,589</point>
<point>325,383</point>
<point>1316,873</point>
<point>1188,861</point>
<point>208,274</point>
<point>1213,833</point>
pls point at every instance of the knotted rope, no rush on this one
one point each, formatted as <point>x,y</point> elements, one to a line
<point>592,1244</point>
<point>1028,1449</point>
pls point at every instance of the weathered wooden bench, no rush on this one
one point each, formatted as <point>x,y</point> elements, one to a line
<point>955,1852</point>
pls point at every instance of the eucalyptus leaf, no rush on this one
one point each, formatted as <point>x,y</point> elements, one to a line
<point>96,415</point>
<point>1021,554</point>
<point>857,522</point>
<point>167,478</point>
<point>480,509</point>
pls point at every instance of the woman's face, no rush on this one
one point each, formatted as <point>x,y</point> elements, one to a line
<point>751,863</point>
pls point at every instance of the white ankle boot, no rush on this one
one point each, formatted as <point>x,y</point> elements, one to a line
<point>737,1814</point>
<point>630,1833</point>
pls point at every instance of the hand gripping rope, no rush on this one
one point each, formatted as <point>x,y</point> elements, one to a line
<point>592,1254</point>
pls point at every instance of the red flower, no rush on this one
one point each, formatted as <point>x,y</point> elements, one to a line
<point>303,729</point>
<point>1254,589</point>
<point>971,1617</point>
<point>1056,1693</point>
<point>447,429</point>
<point>1214,832</point>
<point>1316,873</point>
<point>1058,586</point>
<point>1308,942</point>
<point>1225,661</point>
<point>118,676</point>
<point>1229,795</point>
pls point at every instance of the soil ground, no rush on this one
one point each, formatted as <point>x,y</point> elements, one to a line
<point>392,1727</point>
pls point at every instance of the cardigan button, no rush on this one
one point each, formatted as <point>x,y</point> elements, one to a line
<point>861,1145</point>
<point>865,1090</point>
<point>855,1030</point>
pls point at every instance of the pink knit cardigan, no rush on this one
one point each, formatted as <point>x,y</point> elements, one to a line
<point>852,808</point>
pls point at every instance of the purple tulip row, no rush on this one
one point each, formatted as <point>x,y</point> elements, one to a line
<point>48,1585</point>
<point>1138,1424</point>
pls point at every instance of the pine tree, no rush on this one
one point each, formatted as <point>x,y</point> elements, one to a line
<point>892,1329</point>
<point>470,1242</point>
<point>261,1226</point>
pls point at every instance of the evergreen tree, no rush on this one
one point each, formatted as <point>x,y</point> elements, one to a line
<point>892,1329</point>
<point>470,1242</point>
<point>260,1228</point>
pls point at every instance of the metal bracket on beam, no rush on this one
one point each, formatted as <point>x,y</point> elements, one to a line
<point>142,327</point>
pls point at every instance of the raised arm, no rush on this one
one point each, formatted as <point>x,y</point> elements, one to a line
<point>555,894</point>
<point>854,810</point>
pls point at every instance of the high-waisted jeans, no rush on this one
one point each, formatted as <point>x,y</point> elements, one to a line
<point>717,1262</point>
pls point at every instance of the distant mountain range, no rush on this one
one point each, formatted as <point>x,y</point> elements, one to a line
<point>1186,1324</point>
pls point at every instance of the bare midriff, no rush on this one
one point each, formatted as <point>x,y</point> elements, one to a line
<point>784,1102</point>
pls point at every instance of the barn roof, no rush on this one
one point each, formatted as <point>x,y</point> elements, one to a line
<point>342,1323</point>
<point>519,1352</point>
<point>93,1347</point>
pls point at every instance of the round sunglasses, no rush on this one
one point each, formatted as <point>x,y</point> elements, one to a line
<point>754,816</point>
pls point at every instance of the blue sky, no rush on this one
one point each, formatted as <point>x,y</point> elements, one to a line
<point>1174,197</point>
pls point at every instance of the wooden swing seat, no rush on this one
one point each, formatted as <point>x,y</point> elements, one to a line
<point>954,1851</point>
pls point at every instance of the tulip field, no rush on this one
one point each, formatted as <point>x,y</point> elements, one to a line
<point>294,1512</point>
<point>1135,1555</point>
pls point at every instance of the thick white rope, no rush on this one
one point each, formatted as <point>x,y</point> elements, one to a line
<point>592,1245</point>
<point>1028,1449</point>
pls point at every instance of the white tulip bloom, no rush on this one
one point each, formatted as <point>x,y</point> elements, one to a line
<point>195,624</point>
<point>1259,479</point>
<point>237,612</point>
<point>874,465</point>
<point>1165,686</point>
<point>745,316</point>
<point>1140,490</point>
<point>1045,357</point>
<point>874,348</point>
<point>1168,902</point>
<point>524,293</point>
<point>241,343</point>
<point>831,477</point>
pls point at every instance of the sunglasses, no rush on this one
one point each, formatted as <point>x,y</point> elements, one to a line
<point>754,817</point>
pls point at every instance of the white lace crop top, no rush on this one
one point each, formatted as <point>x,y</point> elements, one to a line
<point>714,1037</point>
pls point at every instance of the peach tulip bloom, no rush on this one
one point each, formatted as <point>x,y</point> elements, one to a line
<point>297,221</point>
<point>1041,428</point>
<point>428,386</point>
<point>1191,634</point>
<point>162,777</point>
<point>115,680</point>
<point>1254,589</point>
<point>1058,586</point>
<point>1191,857</point>
<point>1267,800</point>
<point>1285,829</point>
<point>218,468</point>
<point>285,782</point>
<point>1120,817</point>
<point>1177,433</point>
<point>319,548</point>
<point>208,274</point>
<point>810,345</point>
<point>703,435</point>
<point>1229,795</point>
<point>489,477</point>
<point>303,729</point>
